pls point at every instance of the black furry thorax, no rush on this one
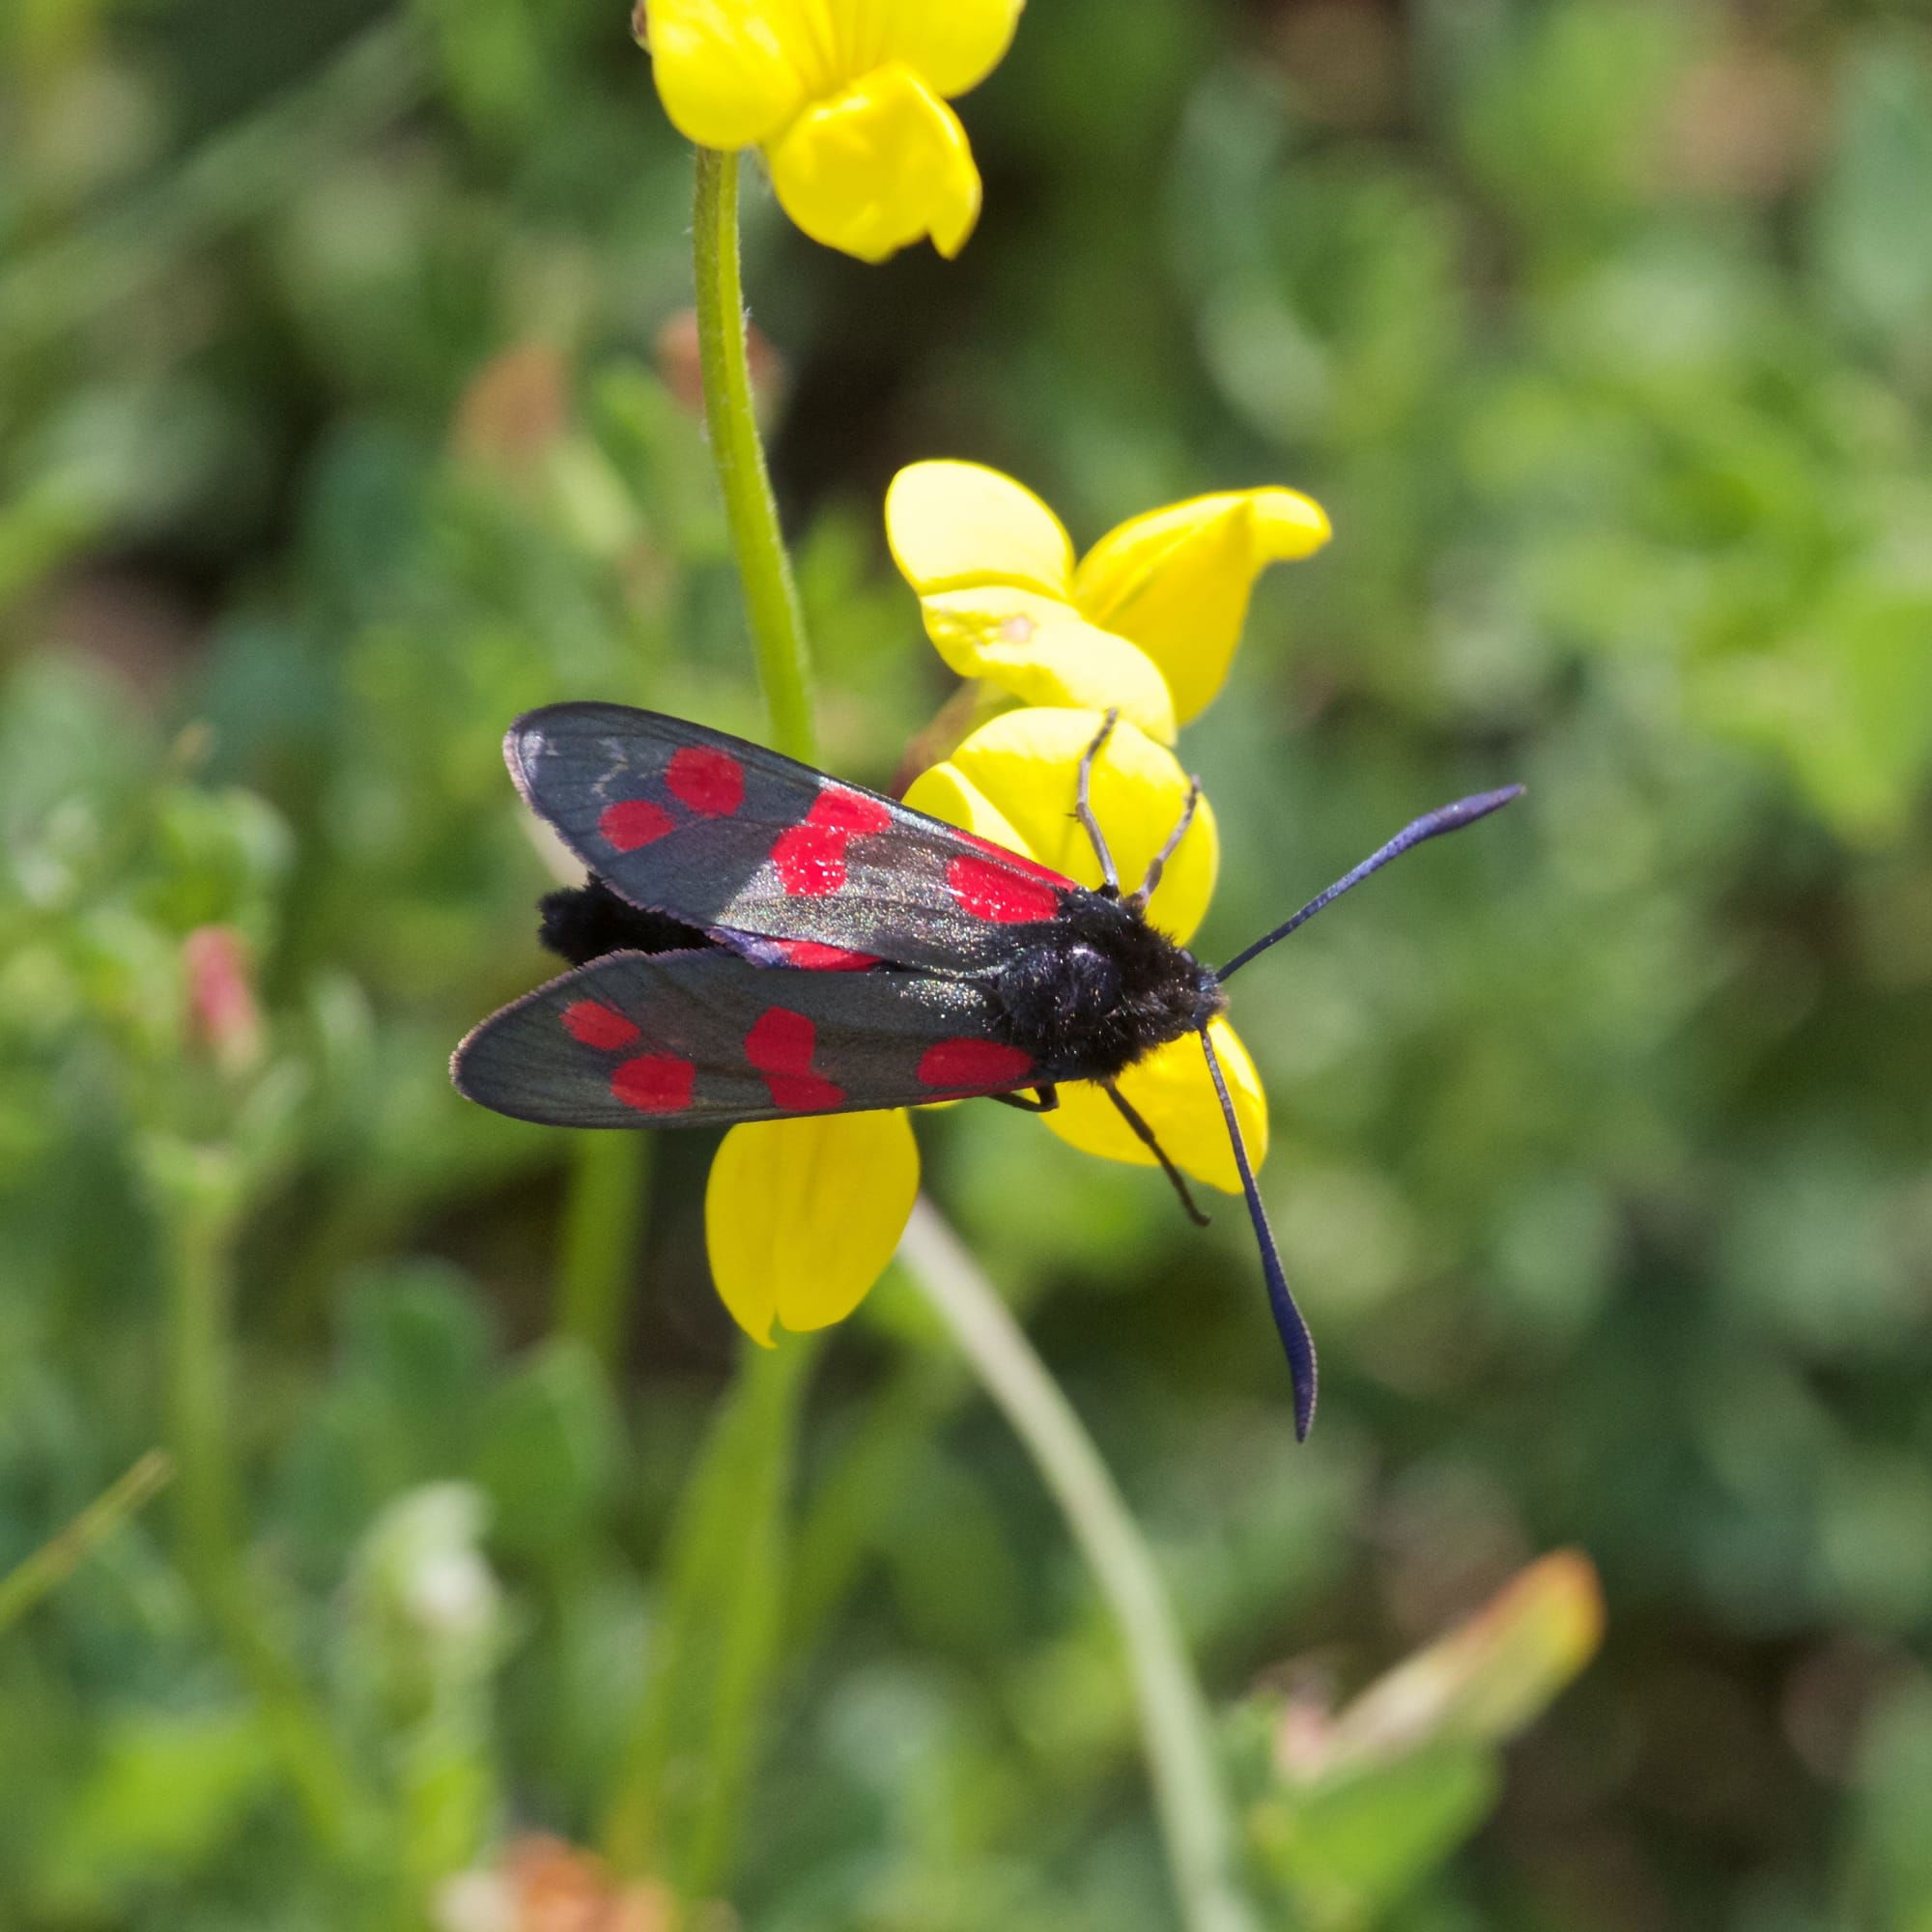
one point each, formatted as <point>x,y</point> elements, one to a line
<point>1098,988</point>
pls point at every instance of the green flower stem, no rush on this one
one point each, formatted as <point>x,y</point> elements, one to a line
<point>604,1216</point>
<point>771,1390</point>
<point>196,1225</point>
<point>61,1555</point>
<point>679,1797</point>
<point>771,599</point>
<point>1175,1722</point>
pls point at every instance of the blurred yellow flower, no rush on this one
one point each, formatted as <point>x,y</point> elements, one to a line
<point>1148,619</point>
<point>1013,782</point>
<point>848,98</point>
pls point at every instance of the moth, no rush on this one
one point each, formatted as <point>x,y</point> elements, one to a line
<point>757,939</point>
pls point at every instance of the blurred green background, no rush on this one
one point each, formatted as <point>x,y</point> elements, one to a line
<point>344,413</point>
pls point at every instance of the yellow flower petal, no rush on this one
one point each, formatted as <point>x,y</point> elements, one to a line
<point>1175,1095</point>
<point>731,74</point>
<point>954,44</point>
<point>956,524</point>
<point>878,165</point>
<point>802,1216</point>
<point>1014,781</point>
<point>1043,652</point>
<point>944,793</point>
<point>1175,582</point>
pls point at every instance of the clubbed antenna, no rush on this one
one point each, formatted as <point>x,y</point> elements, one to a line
<point>1447,819</point>
<point>1294,1330</point>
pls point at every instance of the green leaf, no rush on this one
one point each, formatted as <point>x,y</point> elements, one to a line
<point>168,1791</point>
<point>1346,1850</point>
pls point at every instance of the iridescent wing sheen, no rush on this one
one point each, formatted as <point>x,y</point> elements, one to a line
<point>707,1037</point>
<point>751,846</point>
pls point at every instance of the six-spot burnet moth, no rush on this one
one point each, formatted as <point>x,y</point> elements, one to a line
<point>758,939</point>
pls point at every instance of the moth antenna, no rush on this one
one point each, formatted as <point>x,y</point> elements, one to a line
<point>1287,1321</point>
<point>1431,825</point>
<point>1157,864</point>
<point>1083,805</point>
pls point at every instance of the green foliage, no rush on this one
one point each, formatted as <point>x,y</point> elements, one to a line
<point>337,430</point>
<point>1349,1851</point>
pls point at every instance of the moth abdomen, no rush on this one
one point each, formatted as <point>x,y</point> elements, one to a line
<point>582,922</point>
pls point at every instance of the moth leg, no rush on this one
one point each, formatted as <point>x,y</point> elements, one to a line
<point>1158,862</point>
<point>1083,808</point>
<point>1145,1135</point>
<point>1046,1100</point>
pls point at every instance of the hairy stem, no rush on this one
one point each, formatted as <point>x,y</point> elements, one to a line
<point>771,600</point>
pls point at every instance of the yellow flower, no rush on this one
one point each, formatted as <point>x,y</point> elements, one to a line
<point>802,1216</point>
<point>1148,619</point>
<point>848,98</point>
<point>1013,782</point>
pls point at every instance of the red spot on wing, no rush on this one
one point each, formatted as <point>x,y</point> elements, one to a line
<point>598,1025</point>
<point>780,1045</point>
<point>633,822</point>
<point>707,780</point>
<point>780,1041</point>
<point>654,1083</point>
<point>817,958</point>
<point>810,856</point>
<point>993,892</point>
<point>973,1062</point>
<point>848,811</point>
<point>811,860</point>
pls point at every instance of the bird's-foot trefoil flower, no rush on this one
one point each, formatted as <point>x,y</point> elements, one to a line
<point>1013,781</point>
<point>1147,621</point>
<point>848,100</point>
<point>803,1216</point>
